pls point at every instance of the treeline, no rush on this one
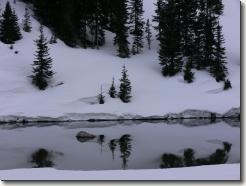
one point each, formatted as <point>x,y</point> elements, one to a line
<point>84,22</point>
<point>189,31</point>
<point>190,36</point>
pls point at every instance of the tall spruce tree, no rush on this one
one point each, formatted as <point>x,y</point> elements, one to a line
<point>9,29</point>
<point>17,33</point>
<point>170,55</point>
<point>125,87</point>
<point>42,65</point>
<point>96,25</point>
<point>137,27</point>
<point>218,68</point>
<point>157,17</point>
<point>83,23</point>
<point>27,21</point>
<point>148,33</point>
<point>121,28</point>
<point>188,15</point>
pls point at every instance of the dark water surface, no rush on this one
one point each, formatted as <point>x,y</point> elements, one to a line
<point>118,145</point>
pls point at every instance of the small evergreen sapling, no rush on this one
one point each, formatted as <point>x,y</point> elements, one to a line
<point>27,22</point>
<point>101,98</point>
<point>42,65</point>
<point>227,85</point>
<point>125,87</point>
<point>112,91</point>
<point>188,74</point>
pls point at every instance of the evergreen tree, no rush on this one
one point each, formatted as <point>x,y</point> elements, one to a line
<point>112,91</point>
<point>137,28</point>
<point>42,66</point>
<point>170,55</point>
<point>148,34</point>
<point>16,32</point>
<point>125,87</point>
<point>9,30</point>
<point>227,85</point>
<point>83,24</point>
<point>218,68</point>
<point>27,22</point>
<point>157,17</point>
<point>120,28</point>
<point>96,25</point>
<point>188,74</point>
<point>101,98</point>
<point>188,15</point>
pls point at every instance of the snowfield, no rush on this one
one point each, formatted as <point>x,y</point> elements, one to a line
<point>220,173</point>
<point>84,71</point>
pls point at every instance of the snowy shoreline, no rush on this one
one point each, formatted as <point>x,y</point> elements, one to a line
<point>216,172</point>
<point>233,113</point>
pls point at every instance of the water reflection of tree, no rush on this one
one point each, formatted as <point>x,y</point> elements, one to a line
<point>125,149</point>
<point>101,140</point>
<point>220,156</point>
<point>41,158</point>
<point>112,146</point>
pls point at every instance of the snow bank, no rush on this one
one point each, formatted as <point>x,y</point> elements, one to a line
<point>219,172</point>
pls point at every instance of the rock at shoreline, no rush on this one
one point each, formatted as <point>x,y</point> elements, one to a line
<point>85,136</point>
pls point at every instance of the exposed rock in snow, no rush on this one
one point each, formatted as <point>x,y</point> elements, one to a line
<point>199,114</point>
<point>233,113</point>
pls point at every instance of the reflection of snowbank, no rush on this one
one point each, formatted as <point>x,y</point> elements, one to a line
<point>221,172</point>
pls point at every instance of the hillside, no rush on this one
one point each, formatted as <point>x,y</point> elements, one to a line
<point>84,71</point>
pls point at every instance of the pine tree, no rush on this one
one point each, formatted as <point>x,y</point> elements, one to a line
<point>137,28</point>
<point>227,85</point>
<point>170,55</point>
<point>157,17</point>
<point>42,66</point>
<point>188,17</point>
<point>148,34</point>
<point>218,68</point>
<point>83,23</point>
<point>112,91</point>
<point>16,32</point>
<point>27,22</point>
<point>96,25</point>
<point>212,10</point>
<point>125,87</point>
<point>120,28</point>
<point>9,30</point>
<point>101,98</point>
<point>188,74</point>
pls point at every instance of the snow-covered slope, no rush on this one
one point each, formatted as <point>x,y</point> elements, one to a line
<point>218,172</point>
<point>84,71</point>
